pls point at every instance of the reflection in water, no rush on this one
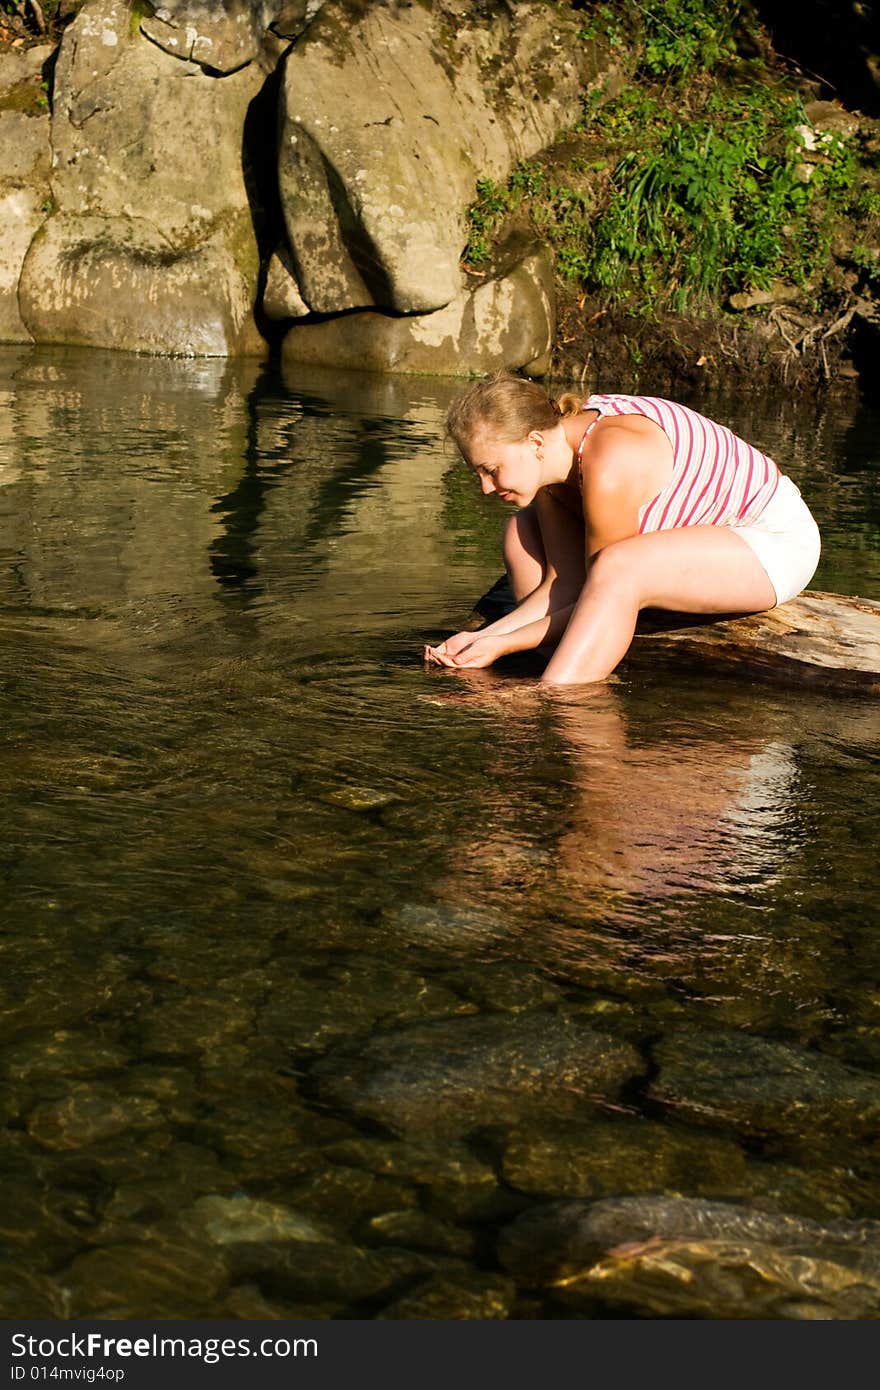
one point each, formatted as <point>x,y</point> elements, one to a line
<point>268,884</point>
<point>680,810</point>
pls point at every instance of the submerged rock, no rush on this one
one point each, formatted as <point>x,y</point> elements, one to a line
<point>447,1078</point>
<point>563,1244</point>
<point>348,1195</point>
<point>722,1279</point>
<point>26,1295</point>
<point>349,997</point>
<point>163,1277</point>
<point>64,1052</point>
<point>756,1085</point>
<point>467,1295</point>
<point>624,1156</point>
<point>417,1230</point>
<point>316,1271</point>
<point>248,1220</point>
<point>460,930</point>
<point>88,1115</point>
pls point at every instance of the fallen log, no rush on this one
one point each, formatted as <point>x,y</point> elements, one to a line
<point>828,640</point>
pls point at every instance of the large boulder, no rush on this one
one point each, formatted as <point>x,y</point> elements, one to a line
<point>199,31</point>
<point>24,174</point>
<point>389,115</point>
<point>509,321</point>
<point>151,204</point>
<point>113,282</point>
<point>228,37</point>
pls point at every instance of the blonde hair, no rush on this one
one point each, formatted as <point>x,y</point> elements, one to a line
<point>508,407</point>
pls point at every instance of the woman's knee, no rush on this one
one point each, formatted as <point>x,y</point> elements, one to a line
<point>615,565</point>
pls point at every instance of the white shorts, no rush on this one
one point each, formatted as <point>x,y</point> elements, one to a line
<point>785,539</point>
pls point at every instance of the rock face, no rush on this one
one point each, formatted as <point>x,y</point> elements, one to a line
<point>375,187</point>
<point>222,38</point>
<point>509,319</point>
<point>151,245</point>
<point>270,161</point>
<point>24,175</point>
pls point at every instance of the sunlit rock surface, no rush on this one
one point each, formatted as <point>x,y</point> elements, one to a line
<point>687,1258</point>
<point>375,185</point>
<point>150,246</point>
<point>508,318</point>
<point>24,174</point>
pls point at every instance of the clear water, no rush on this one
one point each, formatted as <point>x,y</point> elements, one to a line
<point>245,833</point>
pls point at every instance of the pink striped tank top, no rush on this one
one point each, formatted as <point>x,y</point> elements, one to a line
<point>717,478</point>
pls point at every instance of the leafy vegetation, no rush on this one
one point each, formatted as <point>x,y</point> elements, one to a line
<point>687,188</point>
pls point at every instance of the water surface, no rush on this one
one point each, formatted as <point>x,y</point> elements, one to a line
<point>325,976</point>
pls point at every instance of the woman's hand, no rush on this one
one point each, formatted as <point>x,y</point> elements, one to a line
<point>450,648</point>
<point>468,651</point>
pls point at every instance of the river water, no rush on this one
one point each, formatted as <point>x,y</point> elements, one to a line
<point>337,987</point>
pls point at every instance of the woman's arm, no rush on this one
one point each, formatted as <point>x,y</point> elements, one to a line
<point>562,542</point>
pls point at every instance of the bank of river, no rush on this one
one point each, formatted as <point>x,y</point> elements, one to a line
<point>333,986</point>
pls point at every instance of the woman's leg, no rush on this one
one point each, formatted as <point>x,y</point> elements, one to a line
<point>540,538</point>
<point>695,569</point>
<point>522,550</point>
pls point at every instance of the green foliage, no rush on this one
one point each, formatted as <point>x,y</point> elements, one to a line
<point>673,38</point>
<point>710,197</point>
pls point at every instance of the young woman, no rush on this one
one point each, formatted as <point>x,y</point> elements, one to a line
<point>624,503</point>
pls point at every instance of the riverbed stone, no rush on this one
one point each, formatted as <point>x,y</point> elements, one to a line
<point>26,1294</point>
<point>610,1158</point>
<point>349,997</point>
<point>88,1114</point>
<point>445,1079</point>
<point>316,1271</point>
<point>420,1161</point>
<point>181,1025</point>
<point>761,1086</point>
<point>185,1173</point>
<point>375,189</point>
<point>248,1302</point>
<point>262,1139</point>
<point>508,321</point>
<point>447,926</point>
<point>162,1277</point>
<point>723,1279</point>
<point>471,1294</point>
<point>346,1196</point>
<point>457,1186</point>
<point>417,1230</point>
<point>240,1219</point>
<point>64,1052</point>
<point>560,1241</point>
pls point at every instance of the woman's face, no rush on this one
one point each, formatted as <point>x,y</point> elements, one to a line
<point>511,470</point>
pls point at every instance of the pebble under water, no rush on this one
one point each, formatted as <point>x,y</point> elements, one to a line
<point>336,987</point>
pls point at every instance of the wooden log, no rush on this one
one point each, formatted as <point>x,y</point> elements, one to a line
<point>831,641</point>
<point>828,640</point>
